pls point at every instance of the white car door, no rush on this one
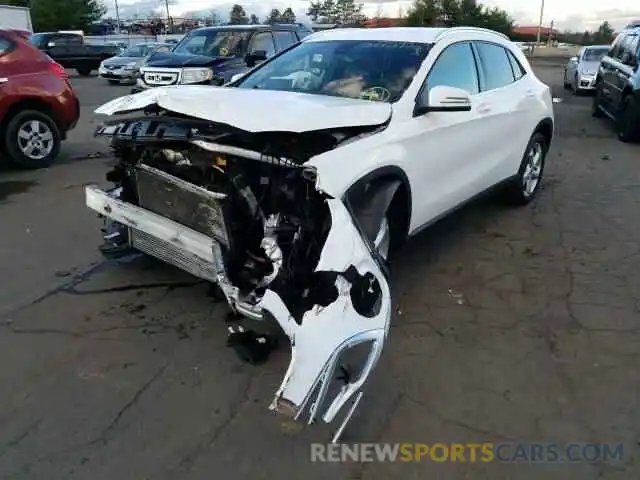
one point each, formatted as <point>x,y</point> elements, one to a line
<point>509,109</point>
<point>445,151</point>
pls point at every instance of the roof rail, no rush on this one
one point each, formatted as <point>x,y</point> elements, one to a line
<point>452,30</point>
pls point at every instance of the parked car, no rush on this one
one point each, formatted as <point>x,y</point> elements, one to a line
<point>617,87</point>
<point>212,55</point>
<point>580,71</point>
<point>37,104</point>
<point>290,187</point>
<point>125,66</point>
<point>69,50</point>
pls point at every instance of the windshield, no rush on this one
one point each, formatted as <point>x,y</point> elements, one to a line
<point>214,43</point>
<point>370,70</point>
<point>138,51</point>
<point>37,39</point>
<point>595,54</point>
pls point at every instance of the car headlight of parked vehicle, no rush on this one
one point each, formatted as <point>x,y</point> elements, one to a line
<point>196,75</point>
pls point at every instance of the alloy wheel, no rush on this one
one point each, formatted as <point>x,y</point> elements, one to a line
<point>532,169</point>
<point>35,139</point>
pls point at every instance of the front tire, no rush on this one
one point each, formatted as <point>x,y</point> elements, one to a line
<point>32,140</point>
<point>525,185</point>
<point>627,126</point>
<point>567,85</point>
<point>113,82</point>
<point>84,72</point>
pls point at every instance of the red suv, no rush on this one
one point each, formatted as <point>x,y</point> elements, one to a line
<point>37,104</point>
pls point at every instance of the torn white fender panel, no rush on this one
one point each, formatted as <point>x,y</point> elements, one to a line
<point>325,332</point>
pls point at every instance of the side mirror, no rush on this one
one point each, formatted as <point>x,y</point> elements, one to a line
<point>255,57</point>
<point>573,59</point>
<point>237,76</point>
<point>443,99</point>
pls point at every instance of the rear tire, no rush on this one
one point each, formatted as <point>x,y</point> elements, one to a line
<point>524,186</point>
<point>627,126</point>
<point>32,140</point>
<point>84,72</point>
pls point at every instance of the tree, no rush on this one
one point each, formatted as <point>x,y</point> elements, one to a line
<point>254,19</point>
<point>604,34</point>
<point>458,12</point>
<point>288,16</point>
<point>274,16</point>
<point>586,38</point>
<point>341,12</point>
<point>52,15</point>
<point>238,16</point>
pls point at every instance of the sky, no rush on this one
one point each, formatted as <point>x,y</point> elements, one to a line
<point>576,15</point>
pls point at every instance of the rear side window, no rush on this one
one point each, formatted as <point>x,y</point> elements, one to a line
<point>455,67</point>
<point>516,66</point>
<point>495,66</point>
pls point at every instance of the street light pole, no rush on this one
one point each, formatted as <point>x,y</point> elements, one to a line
<point>117,17</point>
<point>166,3</point>
<point>540,22</point>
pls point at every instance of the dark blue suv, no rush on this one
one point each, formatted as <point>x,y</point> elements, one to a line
<point>617,93</point>
<point>212,55</point>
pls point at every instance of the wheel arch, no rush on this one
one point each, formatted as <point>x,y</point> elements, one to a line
<point>545,127</point>
<point>369,198</point>
<point>32,104</point>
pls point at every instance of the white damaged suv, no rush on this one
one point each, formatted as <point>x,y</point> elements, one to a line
<point>289,187</point>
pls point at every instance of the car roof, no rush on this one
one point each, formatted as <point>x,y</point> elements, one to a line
<point>278,26</point>
<point>400,34</point>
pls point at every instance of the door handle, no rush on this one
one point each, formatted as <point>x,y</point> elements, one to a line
<point>4,80</point>
<point>484,108</point>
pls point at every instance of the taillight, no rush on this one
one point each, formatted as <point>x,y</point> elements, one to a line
<point>58,70</point>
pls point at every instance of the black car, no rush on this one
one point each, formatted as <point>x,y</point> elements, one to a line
<point>70,51</point>
<point>617,92</point>
<point>212,55</point>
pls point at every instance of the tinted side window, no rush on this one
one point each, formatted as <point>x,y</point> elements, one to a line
<point>518,69</point>
<point>630,49</point>
<point>284,40</point>
<point>5,46</point>
<point>455,67</point>
<point>264,41</point>
<point>495,66</point>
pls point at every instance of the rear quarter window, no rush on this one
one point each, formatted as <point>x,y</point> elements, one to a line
<point>495,66</point>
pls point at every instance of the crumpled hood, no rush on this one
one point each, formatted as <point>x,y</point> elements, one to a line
<point>256,110</point>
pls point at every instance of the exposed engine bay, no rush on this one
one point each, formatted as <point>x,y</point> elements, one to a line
<point>242,211</point>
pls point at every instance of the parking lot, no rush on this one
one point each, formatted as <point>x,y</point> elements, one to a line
<point>510,325</point>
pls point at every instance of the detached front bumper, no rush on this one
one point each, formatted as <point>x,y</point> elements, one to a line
<point>357,312</point>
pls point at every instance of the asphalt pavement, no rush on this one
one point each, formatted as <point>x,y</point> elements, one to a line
<point>510,325</point>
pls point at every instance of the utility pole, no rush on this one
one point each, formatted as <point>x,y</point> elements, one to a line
<point>117,17</point>
<point>166,3</point>
<point>549,42</point>
<point>540,22</point>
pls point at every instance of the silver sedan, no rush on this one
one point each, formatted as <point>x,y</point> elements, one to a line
<point>580,72</point>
